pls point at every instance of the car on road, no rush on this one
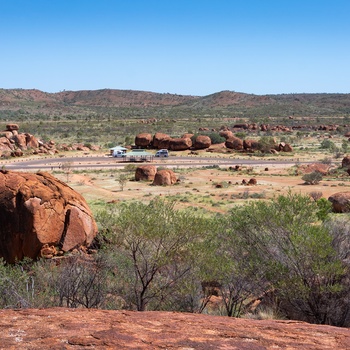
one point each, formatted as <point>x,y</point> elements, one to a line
<point>162,153</point>
<point>119,153</point>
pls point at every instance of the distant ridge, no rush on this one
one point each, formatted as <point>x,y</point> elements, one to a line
<point>308,104</point>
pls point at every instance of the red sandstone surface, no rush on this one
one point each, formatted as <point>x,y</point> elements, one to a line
<point>61,328</point>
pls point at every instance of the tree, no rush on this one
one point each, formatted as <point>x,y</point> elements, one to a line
<point>294,253</point>
<point>234,273</point>
<point>122,179</point>
<point>312,178</point>
<point>328,144</point>
<point>67,168</point>
<point>153,248</point>
<point>78,282</point>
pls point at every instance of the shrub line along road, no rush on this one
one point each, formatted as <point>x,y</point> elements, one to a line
<point>101,162</point>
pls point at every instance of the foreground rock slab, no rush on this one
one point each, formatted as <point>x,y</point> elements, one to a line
<point>61,328</point>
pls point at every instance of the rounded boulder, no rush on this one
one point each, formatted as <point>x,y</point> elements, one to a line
<point>164,177</point>
<point>38,210</point>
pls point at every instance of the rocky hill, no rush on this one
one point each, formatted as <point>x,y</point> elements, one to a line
<point>33,101</point>
<point>60,328</point>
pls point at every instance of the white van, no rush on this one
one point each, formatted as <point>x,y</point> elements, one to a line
<point>162,153</point>
<point>119,154</point>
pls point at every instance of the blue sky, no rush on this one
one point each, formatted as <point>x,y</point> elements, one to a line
<point>190,47</point>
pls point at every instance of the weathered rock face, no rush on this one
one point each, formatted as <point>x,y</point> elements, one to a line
<point>160,139</point>
<point>340,202</point>
<point>145,173</point>
<point>61,328</point>
<point>180,144</point>
<point>37,210</point>
<point>5,144</point>
<point>20,140</point>
<point>31,141</point>
<point>202,142</point>
<point>143,140</point>
<point>164,177</point>
<point>235,143</point>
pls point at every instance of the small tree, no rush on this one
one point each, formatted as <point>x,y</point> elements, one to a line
<point>152,248</point>
<point>122,179</point>
<point>328,144</point>
<point>312,178</point>
<point>295,254</point>
<point>67,168</point>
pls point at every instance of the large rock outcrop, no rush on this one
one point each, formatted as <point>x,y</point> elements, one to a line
<point>38,210</point>
<point>61,328</point>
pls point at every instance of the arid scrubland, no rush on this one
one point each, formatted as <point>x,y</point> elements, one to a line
<point>245,232</point>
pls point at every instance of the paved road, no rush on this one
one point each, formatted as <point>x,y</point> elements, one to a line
<point>102,162</point>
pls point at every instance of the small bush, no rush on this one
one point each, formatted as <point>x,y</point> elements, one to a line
<point>315,195</point>
<point>312,178</point>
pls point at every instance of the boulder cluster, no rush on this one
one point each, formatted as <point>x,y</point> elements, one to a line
<point>248,145</point>
<point>14,143</point>
<point>187,141</point>
<point>164,141</point>
<point>161,177</point>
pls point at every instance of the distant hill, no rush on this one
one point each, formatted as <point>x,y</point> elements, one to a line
<point>32,101</point>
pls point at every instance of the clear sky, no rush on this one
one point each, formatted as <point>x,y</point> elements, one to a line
<point>190,47</point>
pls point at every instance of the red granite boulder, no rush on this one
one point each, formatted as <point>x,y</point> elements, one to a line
<point>145,172</point>
<point>202,142</point>
<point>180,144</point>
<point>164,177</point>
<point>143,140</point>
<point>37,210</point>
<point>340,202</point>
<point>235,143</point>
<point>160,139</point>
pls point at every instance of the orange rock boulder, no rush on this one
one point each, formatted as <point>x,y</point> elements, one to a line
<point>202,142</point>
<point>180,144</point>
<point>235,143</point>
<point>160,140</point>
<point>340,202</point>
<point>143,140</point>
<point>145,172</point>
<point>38,210</point>
<point>164,177</point>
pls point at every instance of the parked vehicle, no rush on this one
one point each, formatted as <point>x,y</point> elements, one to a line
<point>162,153</point>
<point>119,153</point>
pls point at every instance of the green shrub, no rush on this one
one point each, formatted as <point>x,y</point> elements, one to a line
<point>312,178</point>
